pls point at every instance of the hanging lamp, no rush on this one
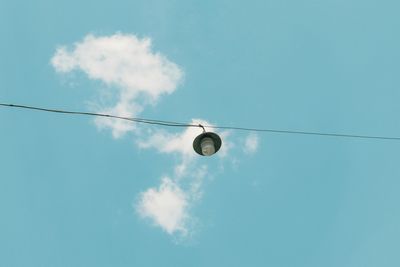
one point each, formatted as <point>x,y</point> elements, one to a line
<point>207,143</point>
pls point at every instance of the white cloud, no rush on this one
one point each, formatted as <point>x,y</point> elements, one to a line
<point>251,144</point>
<point>127,63</point>
<point>166,206</point>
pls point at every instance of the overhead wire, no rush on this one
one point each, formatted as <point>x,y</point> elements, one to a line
<point>138,120</point>
<point>180,124</point>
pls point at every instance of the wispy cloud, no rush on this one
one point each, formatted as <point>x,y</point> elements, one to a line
<point>251,143</point>
<point>127,63</point>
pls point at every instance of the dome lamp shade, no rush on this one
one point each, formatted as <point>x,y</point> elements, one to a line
<point>207,144</point>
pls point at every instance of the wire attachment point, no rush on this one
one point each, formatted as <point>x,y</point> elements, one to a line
<point>204,130</point>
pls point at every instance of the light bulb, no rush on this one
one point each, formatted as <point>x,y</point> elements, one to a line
<point>207,146</point>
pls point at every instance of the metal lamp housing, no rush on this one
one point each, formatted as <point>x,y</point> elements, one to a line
<point>207,144</point>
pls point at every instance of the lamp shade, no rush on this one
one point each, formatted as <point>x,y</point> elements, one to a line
<point>207,144</point>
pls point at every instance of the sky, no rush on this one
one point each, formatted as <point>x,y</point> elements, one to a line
<point>79,191</point>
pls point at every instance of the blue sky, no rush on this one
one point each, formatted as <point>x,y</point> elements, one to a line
<point>79,192</point>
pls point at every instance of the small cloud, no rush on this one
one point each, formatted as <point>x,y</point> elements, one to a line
<point>251,144</point>
<point>128,64</point>
<point>166,206</point>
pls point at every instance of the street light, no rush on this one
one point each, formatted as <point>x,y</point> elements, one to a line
<point>207,143</point>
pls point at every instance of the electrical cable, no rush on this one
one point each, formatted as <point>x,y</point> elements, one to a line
<point>179,124</point>
<point>138,120</point>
